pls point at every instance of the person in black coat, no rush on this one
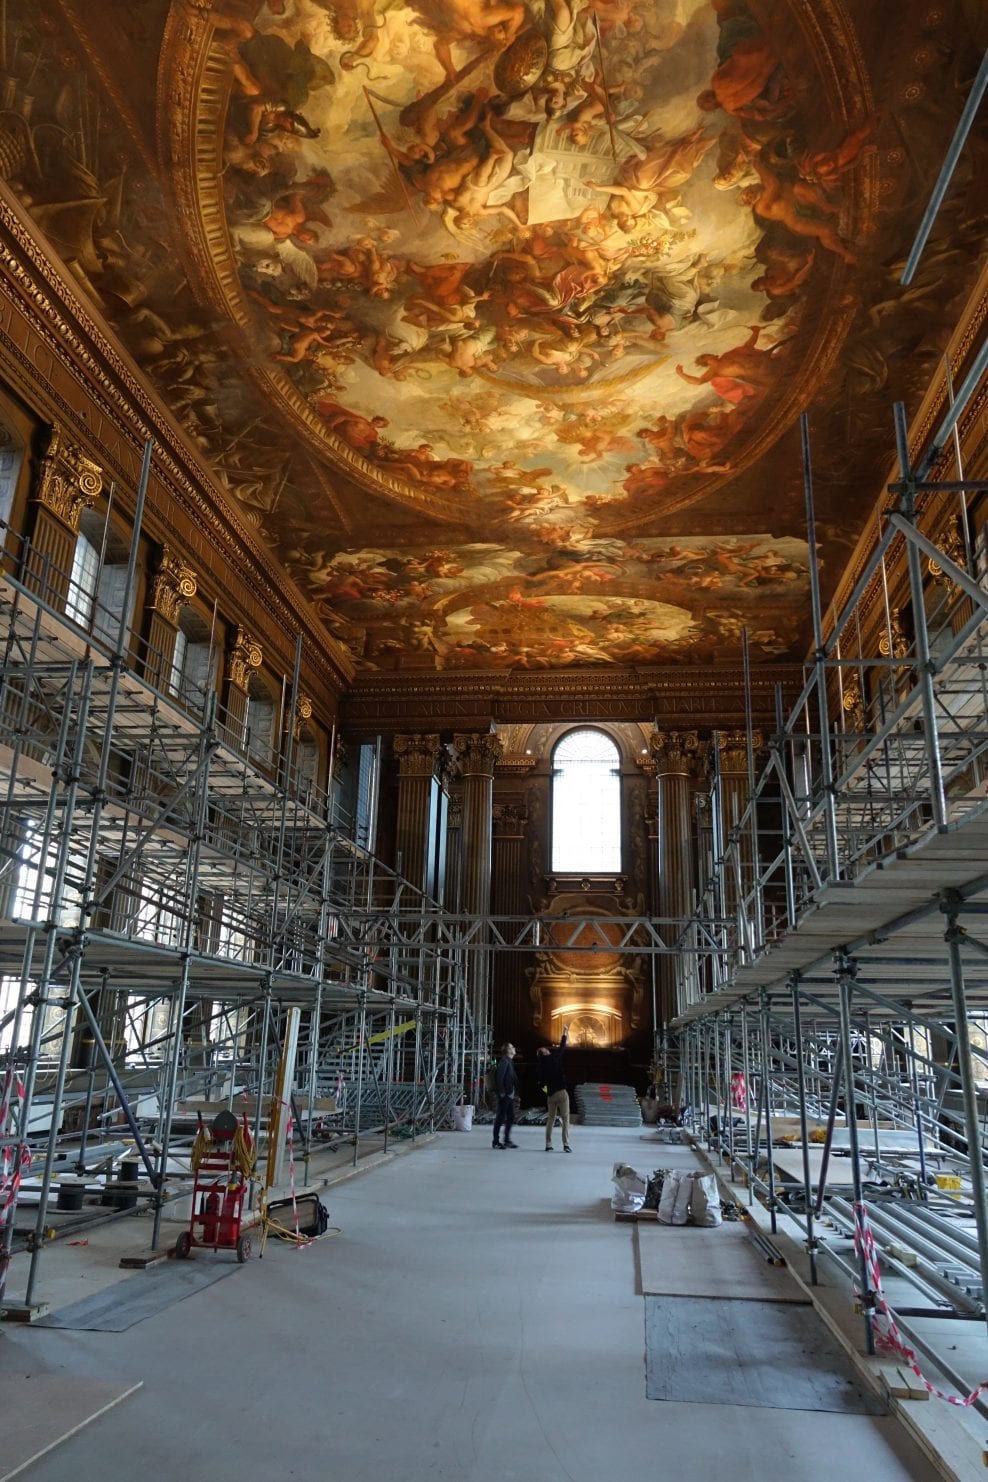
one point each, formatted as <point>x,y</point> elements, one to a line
<point>505,1086</point>
<point>552,1079</point>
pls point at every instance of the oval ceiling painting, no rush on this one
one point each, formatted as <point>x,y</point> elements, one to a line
<point>529,254</point>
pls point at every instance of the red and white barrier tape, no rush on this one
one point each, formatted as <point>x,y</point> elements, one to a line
<point>16,1158</point>
<point>892,1339</point>
<point>301,1241</point>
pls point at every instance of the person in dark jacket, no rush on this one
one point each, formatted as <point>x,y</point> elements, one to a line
<point>552,1077</point>
<point>505,1085</point>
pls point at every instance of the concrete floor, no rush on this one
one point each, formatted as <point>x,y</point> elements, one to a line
<point>477,1318</point>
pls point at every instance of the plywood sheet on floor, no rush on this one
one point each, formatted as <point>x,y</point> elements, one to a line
<point>41,1410</point>
<point>117,1308</point>
<point>685,1261</point>
<point>775,1355</point>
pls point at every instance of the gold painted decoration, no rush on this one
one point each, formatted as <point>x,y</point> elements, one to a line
<point>245,654</point>
<point>69,481</point>
<point>173,586</point>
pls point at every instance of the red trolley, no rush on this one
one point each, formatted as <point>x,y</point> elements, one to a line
<point>220,1185</point>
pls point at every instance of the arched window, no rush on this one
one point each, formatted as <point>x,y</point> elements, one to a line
<point>586,805</point>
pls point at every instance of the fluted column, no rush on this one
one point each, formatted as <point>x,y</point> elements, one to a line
<point>673,755</point>
<point>173,585</point>
<point>419,765</point>
<point>511,1004</point>
<point>733,801</point>
<point>69,482</point>
<point>245,654</point>
<point>478,755</point>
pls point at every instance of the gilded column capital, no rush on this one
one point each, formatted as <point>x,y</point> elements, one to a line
<point>951,542</point>
<point>898,647</point>
<point>479,753</point>
<point>418,755</point>
<point>301,714</point>
<point>852,704</point>
<point>510,820</point>
<point>69,481</point>
<point>245,654</point>
<point>454,818</point>
<point>734,750</point>
<point>173,585</point>
<point>673,752</point>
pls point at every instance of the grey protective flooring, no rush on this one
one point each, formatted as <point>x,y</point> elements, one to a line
<point>715,1350</point>
<point>477,1318</point>
<point>119,1307</point>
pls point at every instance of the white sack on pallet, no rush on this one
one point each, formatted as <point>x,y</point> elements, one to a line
<point>670,1193</point>
<point>705,1201</point>
<point>629,1189</point>
<point>681,1208</point>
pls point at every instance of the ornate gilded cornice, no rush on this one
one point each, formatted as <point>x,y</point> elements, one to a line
<point>479,754</point>
<point>69,481</point>
<point>670,696</point>
<point>674,752</point>
<point>173,585</point>
<point>418,755</point>
<point>518,765</point>
<point>76,346</point>
<point>245,654</point>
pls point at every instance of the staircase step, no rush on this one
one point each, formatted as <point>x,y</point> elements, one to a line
<point>607,1105</point>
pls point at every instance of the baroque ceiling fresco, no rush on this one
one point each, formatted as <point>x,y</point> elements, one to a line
<point>496,316</point>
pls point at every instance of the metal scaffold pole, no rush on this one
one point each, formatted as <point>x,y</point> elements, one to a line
<point>845,976</point>
<point>954,937</point>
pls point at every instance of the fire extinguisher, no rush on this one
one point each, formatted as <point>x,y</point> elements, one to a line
<point>210,1217</point>
<point>229,1212</point>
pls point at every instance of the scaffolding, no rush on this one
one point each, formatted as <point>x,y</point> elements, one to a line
<point>844,998</point>
<point>170,896</point>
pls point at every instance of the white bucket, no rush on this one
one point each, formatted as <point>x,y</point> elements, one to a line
<point>462,1118</point>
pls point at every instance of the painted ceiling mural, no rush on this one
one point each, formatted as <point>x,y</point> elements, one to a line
<point>496,316</point>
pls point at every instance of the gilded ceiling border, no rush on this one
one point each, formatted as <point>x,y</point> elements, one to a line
<point>193,96</point>
<point>965,339</point>
<point>78,341</point>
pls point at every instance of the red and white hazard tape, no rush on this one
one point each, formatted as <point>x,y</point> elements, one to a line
<point>301,1241</point>
<point>15,1160</point>
<point>16,1157</point>
<point>892,1339</point>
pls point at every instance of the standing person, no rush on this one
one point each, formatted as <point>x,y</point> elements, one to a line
<point>506,1085</point>
<point>552,1077</point>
